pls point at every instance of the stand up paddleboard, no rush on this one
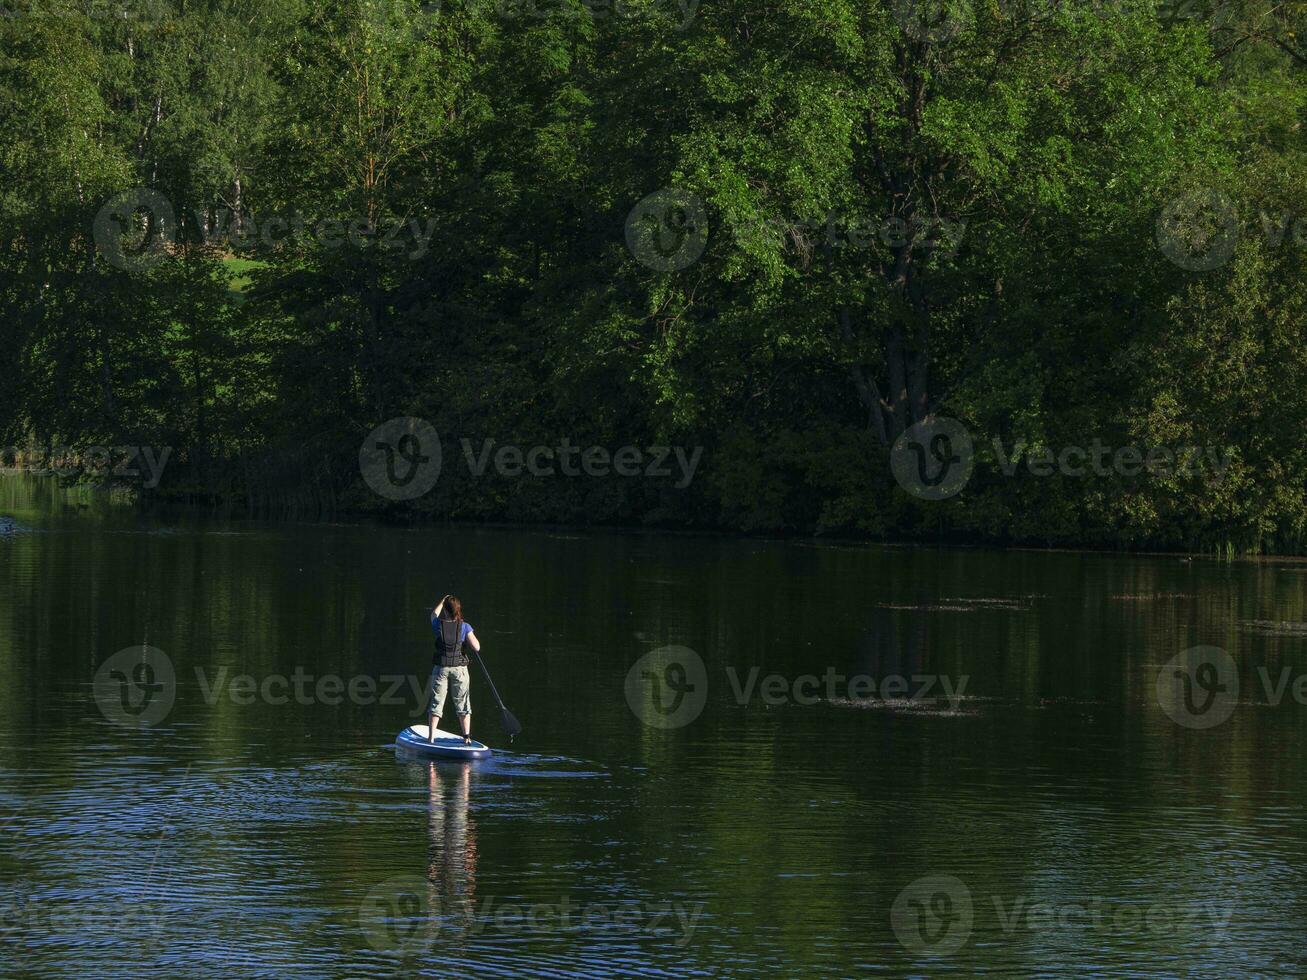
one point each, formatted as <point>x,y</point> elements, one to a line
<point>446,745</point>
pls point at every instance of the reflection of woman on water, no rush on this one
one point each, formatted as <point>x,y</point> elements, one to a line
<point>449,673</point>
<point>452,866</point>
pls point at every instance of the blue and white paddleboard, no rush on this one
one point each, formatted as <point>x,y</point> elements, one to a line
<point>445,746</point>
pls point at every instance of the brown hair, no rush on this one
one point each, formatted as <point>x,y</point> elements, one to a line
<point>453,609</point>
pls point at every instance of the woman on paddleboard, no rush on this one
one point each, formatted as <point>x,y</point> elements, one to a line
<point>449,673</point>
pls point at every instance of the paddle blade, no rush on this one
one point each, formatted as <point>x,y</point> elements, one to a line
<point>511,725</point>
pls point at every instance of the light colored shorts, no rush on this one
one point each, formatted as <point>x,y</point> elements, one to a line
<point>456,680</point>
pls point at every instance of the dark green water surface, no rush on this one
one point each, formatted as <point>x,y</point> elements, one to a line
<point>1039,808</point>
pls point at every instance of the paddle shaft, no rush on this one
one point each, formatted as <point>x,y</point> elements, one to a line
<point>507,719</point>
<point>498,699</point>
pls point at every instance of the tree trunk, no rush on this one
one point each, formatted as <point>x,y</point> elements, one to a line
<point>865,383</point>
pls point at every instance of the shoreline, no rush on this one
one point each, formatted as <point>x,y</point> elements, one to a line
<point>10,525</point>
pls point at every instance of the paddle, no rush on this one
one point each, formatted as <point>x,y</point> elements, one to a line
<point>511,725</point>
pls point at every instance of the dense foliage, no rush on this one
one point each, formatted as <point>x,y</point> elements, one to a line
<point>1064,224</point>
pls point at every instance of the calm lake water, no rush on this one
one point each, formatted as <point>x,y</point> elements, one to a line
<point>1024,800</point>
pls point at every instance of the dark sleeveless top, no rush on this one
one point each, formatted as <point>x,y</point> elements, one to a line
<point>449,644</point>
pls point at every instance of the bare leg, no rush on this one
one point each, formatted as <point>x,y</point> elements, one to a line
<point>432,722</point>
<point>465,723</point>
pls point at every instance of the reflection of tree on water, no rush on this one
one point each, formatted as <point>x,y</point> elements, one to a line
<point>452,843</point>
<point>889,646</point>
